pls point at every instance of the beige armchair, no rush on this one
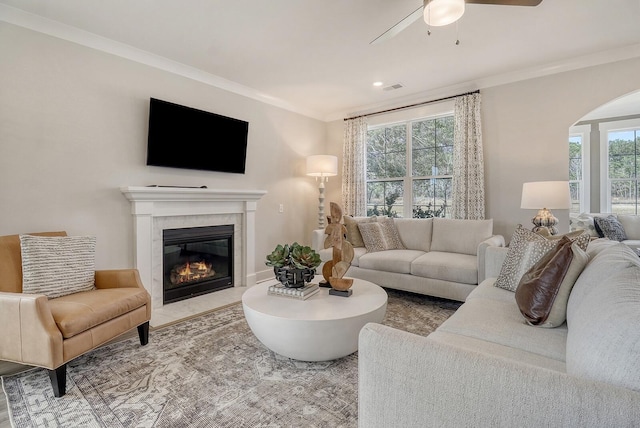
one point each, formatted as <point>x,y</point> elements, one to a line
<point>43,332</point>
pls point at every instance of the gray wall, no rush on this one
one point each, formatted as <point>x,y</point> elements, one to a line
<point>525,133</point>
<point>73,129</point>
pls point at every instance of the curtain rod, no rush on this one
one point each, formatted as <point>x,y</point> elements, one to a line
<point>413,105</point>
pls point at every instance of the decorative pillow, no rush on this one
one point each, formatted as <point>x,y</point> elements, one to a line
<point>525,249</point>
<point>353,233</point>
<point>373,236</point>
<point>584,221</point>
<point>57,265</point>
<point>390,233</point>
<point>543,291</point>
<point>611,228</point>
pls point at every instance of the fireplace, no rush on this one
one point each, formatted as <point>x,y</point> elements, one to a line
<point>196,261</point>
<point>156,209</point>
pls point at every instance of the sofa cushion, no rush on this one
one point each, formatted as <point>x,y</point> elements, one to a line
<point>499,321</point>
<point>415,233</point>
<point>398,261</point>
<point>452,267</point>
<point>610,228</point>
<point>353,233</point>
<point>631,225</point>
<point>459,236</point>
<point>525,249</point>
<point>82,311</point>
<point>57,265</point>
<point>543,291</point>
<point>327,254</point>
<point>603,343</point>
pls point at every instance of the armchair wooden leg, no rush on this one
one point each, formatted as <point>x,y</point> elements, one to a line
<point>58,378</point>
<point>143,333</point>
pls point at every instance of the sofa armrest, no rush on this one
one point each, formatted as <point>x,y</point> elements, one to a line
<point>494,258</point>
<point>28,333</point>
<point>406,380</point>
<point>494,241</point>
<point>317,239</point>
<point>118,278</point>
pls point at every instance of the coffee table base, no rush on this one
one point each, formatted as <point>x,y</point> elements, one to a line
<point>318,337</point>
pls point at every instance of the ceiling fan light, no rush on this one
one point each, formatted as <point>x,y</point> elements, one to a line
<point>442,12</point>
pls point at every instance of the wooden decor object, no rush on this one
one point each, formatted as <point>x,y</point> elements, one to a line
<point>334,269</point>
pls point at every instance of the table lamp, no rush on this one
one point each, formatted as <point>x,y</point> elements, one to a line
<point>322,167</point>
<point>548,195</point>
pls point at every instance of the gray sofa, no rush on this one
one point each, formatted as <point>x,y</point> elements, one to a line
<point>485,367</point>
<point>442,257</point>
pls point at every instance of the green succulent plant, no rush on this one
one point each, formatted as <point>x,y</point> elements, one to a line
<point>294,255</point>
<point>279,257</point>
<point>303,257</point>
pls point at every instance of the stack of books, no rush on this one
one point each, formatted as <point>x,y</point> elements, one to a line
<point>301,293</point>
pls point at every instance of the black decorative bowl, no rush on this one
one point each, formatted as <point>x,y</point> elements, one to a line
<point>293,277</point>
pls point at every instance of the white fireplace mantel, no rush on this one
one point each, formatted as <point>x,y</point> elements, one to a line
<point>154,208</point>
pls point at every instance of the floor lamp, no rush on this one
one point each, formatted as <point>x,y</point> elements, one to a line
<point>322,167</point>
<point>542,196</point>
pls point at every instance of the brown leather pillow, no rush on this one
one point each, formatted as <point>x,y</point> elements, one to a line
<point>539,286</point>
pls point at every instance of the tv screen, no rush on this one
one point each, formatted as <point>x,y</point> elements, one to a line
<point>185,137</point>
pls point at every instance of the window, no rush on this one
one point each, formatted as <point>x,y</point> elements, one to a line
<point>409,168</point>
<point>576,180</point>
<point>623,158</point>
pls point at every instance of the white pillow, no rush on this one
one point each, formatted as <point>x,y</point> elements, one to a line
<point>57,265</point>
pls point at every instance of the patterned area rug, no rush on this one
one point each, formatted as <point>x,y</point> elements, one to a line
<point>209,371</point>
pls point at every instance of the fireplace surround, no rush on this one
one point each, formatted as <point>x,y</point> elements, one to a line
<point>155,209</point>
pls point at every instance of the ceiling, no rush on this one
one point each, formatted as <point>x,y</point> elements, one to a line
<point>314,57</point>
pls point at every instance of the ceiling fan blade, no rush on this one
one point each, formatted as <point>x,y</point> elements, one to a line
<point>404,23</point>
<point>506,2</point>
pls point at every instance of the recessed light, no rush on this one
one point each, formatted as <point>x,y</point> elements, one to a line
<point>377,84</point>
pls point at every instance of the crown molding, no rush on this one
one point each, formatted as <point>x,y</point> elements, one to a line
<point>569,64</point>
<point>72,34</point>
<point>62,31</point>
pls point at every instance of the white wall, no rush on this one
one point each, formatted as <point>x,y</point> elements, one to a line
<point>73,129</point>
<point>525,133</point>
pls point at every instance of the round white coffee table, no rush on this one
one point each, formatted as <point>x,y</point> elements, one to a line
<point>321,328</point>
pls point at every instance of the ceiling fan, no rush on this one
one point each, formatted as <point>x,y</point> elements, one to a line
<point>437,13</point>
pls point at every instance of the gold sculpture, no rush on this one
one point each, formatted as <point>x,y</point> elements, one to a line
<point>334,269</point>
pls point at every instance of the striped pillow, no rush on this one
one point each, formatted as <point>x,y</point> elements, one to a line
<point>57,265</point>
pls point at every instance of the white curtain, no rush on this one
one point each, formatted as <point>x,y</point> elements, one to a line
<point>353,167</point>
<point>468,164</point>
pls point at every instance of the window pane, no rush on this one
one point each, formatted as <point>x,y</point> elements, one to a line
<point>623,197</point>
<point>444,131</point>
<point>430,197</point>
<point>396,139</point>
<point>444,160</point>
<point>396,165</point>
<point>423,162</point>
<point>423,133</point>
<point>386,152</point>
<point>575,169</point>
<point>622,166</point>
<point>574,188</point>
<point>385,198</point>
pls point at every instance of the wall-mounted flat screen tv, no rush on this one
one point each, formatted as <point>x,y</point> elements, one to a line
<point>185,137</point>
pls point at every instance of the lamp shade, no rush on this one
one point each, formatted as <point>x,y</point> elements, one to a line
<point>546,194</point>
<point>442,12</point>
<point>322,166</point>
